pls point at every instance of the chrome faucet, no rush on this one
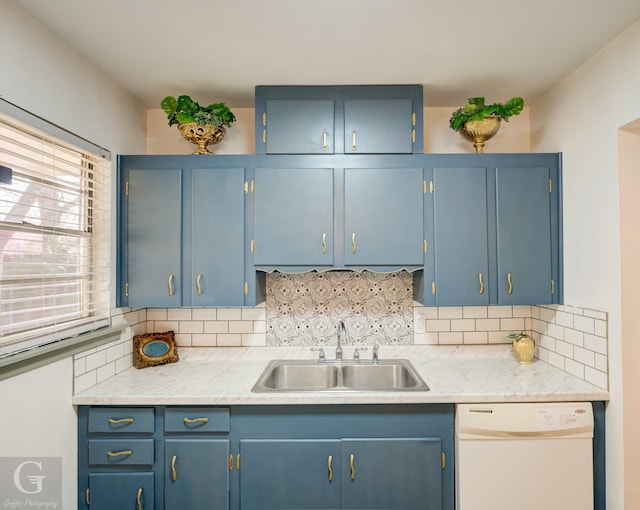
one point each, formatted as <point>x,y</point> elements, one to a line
<point>341,331</point>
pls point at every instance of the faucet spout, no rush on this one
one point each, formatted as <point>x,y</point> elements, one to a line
<point>341,331</point>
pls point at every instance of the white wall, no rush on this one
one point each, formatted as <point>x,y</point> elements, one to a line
<point>438,137</point>
<point>581,117</point>
<point>42,75</point>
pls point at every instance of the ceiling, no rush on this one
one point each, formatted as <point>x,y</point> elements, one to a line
<point>219,50</point>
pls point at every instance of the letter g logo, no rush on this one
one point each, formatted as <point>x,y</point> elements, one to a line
<point>33,479</point>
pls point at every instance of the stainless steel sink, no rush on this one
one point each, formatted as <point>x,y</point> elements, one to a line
<point>313,375</point>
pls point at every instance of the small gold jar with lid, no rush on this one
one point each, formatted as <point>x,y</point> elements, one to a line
<point>524,347</point>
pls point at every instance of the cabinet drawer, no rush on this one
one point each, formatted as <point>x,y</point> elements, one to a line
<point>107,452</point>
<point>121,420</point>
<point>196,419</point>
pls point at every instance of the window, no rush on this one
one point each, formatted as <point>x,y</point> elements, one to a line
<point>54,239</point>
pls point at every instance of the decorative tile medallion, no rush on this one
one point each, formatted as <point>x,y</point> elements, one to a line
<point>304,309</point>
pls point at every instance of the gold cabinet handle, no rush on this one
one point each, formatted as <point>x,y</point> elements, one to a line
<point>510,290</point>
<point>126,289</point>
<point>120,453</point>
<point>353,140</point>
<point>230,462</point>
<point>198,284</point>
<point>553,287</point>
<point>195,420</point>
<point>330,467</point>
<point>353,243</point>
<point>481,283</point>
<point>352,467</point>
<point>433,288</point>
<point>238,462</point>
<point>121,420</point>
<point>246,289</point>
<point>139,499</point>
<point>324,243</point>
<point>174,473</point>
<point>171,285</point>
<point>324,140</point>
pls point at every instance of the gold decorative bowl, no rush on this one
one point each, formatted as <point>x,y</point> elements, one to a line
<point>202,135</point>
<point>479,131</point>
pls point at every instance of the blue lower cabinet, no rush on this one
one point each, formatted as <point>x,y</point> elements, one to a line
<point>403,474</point>
<point>290,474</point>
<point>109,491</point>
<point>196,474</point>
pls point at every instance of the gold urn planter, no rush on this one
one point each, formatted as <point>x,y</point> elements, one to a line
<point>202,135</point>
<point>524,347</point>
<point>479,131</point>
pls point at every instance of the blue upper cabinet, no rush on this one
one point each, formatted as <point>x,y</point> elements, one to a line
<point>181,232</point>
<point>378,126</point>
<point>355,119</point>
<point>154,237</point>
<point>300,126</point>
<point>524,256</point>
<point>495,236</point>
<point>217,226</point>
<point>383,216</point>
<point>293,217</point>
<point>460,236</point>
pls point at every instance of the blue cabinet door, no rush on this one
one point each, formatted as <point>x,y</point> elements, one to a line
<point>293,217</point>
<point>378,126</point>
<point>460,236</point>
<point>217,237</point>
<point>196,474</point>
<point>402,474</point>
<point>108,491</point>
<point>383,216</point>
<point>523,214</point>
<point>299,126</point>
<point>290,474</point>
<point>154,238</point>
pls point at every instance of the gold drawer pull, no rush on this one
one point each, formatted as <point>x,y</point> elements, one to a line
<point>352,466</point>
<point>481,283</point>
<point>330,467</point>
<point>196,420</point>
<point>324,140</point>
<point>139,499</point>
<point>510,290</point>
<point>353,140</point>
<point>121,420</point>
<point>174,473</point>
<point>199,284</point>
<point>171,285</point>
<point>353,243</point>
<point>324,243</point>
<point>119,454</point>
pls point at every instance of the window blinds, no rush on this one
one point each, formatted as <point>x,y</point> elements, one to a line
<point>54,239</point>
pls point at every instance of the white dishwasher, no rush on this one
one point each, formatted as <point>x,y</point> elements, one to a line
<point>524,456</point>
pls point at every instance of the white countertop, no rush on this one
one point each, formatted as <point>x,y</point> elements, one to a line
<point>454,374</point>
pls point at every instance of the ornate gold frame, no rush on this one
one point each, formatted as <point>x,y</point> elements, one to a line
<point>142,360</point>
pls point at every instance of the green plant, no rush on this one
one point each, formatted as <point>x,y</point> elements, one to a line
<point>477,110</point>
<point>184,109</point>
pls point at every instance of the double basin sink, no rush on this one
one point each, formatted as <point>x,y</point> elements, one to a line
<point>314,375</point>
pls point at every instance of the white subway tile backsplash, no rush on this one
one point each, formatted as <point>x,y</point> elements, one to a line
<point>595,343</point>
<point>600,328</point>
<point>157,314</point>
<point>179,314</point>
<point>555,359</point>
<point>183,339</point>
<point>204,314</point>
<point>204,340</point>
<point>254,314</point>
<point>487,324</point>
<point>584,356</point>
<point>95,360</point>
<point>564,319</point>
<point>586,324</point>
<point>596,314</point>
<point>515,325</point>
<point>240,326</point>
<point>428,338</point>
<point>476,337</point>
<point>555,331</point>
<point>499,337</point>
<point>229,340</point>
<point>105,371</point>
<point>475,312</point>
<point>574,337</point>
<point>229,314</point>
<point>596,377</point>
<point>451,338</point>
<point>450,312</point>
<point>216,327</point>
<point>191,327</point>
<point>547,314</point>
<point>574,368</point>
<point>565,349</point>
<point>500,312</point>
<point>463,325</point>
<point>524,311</point>
<point>438,325</point>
